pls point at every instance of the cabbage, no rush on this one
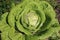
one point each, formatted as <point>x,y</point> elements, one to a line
<point>29,20</point>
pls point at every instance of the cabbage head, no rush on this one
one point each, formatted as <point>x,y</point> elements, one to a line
<point>29,20</point>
